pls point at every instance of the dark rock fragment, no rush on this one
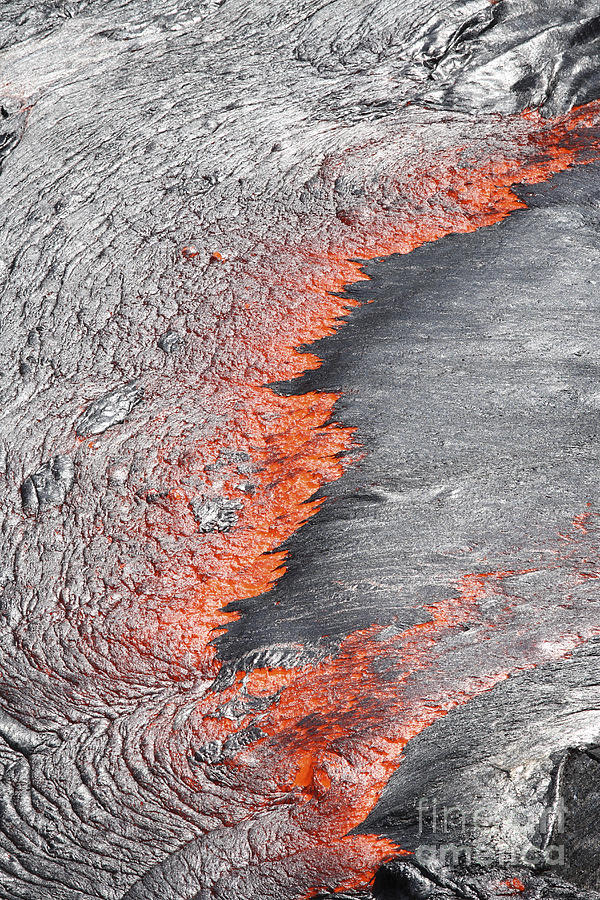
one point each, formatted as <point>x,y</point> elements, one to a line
<point>170,342</point>
<point>109,410</point>
<point>574,817</point>
<point>241,739</point>
<point>402,880</point>
<point>13,118</point>
<point>215,513</point>
<point>48,486</point>
<point>208,753</point>
<point>8,142</point>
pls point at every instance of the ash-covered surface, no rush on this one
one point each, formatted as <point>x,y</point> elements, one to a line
<point>169,171</point>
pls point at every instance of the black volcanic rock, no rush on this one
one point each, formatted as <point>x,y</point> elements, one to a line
<point>110,409</point>
<point>49,485</point>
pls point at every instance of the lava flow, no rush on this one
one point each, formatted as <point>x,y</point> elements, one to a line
<point>323,739</point>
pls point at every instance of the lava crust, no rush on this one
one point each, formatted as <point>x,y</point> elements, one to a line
<point>200,698</point>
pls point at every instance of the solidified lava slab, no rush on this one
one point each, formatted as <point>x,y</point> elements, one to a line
<point>187,195</point>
